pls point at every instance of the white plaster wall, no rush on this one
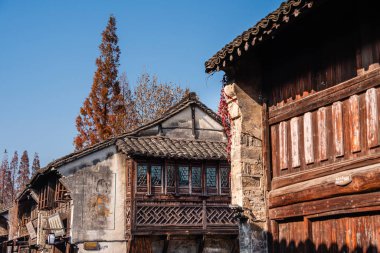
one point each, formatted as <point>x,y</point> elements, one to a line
<point>204,121</point>
<point>181,119</point>
<point>150,131</point>
<point>114,229</point>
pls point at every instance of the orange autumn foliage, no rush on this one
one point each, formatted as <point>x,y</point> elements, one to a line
<point>102,113</point>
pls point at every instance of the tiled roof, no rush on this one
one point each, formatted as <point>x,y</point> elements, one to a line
<point>157,146</point>
<point>175,148</point>
<point>237,47</point>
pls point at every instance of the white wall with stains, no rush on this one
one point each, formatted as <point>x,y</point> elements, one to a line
<point>97,188</point>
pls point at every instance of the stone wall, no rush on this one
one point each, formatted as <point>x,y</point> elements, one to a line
<point>248,182</point>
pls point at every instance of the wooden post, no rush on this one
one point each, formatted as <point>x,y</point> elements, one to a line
<point>166,244</point>
<point>201,244</point>
<point>204,220</point>
<point>193,121</point>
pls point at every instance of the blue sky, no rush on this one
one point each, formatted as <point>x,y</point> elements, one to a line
<point>48,51</point>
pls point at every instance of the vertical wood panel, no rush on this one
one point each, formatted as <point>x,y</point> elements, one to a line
<point>322,134</point>
<point>294,134</point>
<point>354,116</point>
<point>275,236</point>
<point>274,153</point>
<point>372,118</point>
<point>283,143</point>
<point>308,137</point>
<point>283,233</point>
<point>337,118</point>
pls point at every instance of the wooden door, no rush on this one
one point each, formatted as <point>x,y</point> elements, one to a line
<point>349,233</point>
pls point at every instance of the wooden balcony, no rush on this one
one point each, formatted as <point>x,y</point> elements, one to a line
<point>183,218</point>
<point>334,130</point>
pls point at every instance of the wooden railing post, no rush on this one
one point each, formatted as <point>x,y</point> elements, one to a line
<point>204,215</point>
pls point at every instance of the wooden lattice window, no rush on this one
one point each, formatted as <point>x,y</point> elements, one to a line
<point>225,177</point>
<point>60,191</point>
<point>170,175</point>
<point>156,175</point>
<point>211,177</point>
<point>142,170</point>
<point>196,177</point>
<point>183,175</point>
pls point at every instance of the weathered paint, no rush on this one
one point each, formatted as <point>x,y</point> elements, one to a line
<point>354,123</point>
<point>273,134</point>
<point>337,120</point>
<point>283,138</point>
<point>97,184</point>
<point>294,134</point>
<point>322,133</point>
<point>372,118</point>
<point>308,137</point>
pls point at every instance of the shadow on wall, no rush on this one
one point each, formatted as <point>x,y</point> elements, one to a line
<point>309,246</point>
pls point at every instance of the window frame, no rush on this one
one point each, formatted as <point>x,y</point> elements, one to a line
<point>225,190</point>
<point>212,190</point>
<point>142,188</point>
<point>194,190</point>
<point>156,188</point>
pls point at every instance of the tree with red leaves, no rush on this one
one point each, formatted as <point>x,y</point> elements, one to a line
<point>36,164</point>
<point>102,114</point>
<point>23,172</point>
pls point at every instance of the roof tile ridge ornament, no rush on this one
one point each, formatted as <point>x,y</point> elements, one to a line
<point>218,61</point>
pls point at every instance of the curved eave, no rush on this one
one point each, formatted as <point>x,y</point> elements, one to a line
<point>287,11</point>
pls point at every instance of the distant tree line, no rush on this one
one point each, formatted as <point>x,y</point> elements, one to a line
<point>112,107</point>
<point>15,175</point>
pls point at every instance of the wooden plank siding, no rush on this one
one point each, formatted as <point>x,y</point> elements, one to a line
<point>333,234</point>
<point>339,131</point>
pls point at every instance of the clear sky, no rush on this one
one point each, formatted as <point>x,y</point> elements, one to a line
<point>48,51</point>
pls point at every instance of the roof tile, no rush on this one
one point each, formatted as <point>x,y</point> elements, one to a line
<point>158,146</point>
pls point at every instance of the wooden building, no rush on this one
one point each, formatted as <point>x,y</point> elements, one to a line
<point>304,84</point>
<point>164,187</point>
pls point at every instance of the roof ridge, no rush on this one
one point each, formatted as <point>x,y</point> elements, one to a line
<point>171,138</point>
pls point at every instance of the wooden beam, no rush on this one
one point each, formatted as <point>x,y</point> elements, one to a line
<point>363,180</point>
<point>193,121</point>
<point>319,207</point>
<point>325,170</point>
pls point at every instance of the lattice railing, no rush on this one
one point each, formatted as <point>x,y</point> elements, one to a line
<point>161,214</point>
<point>220,215</point>
<point>169,215</point>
